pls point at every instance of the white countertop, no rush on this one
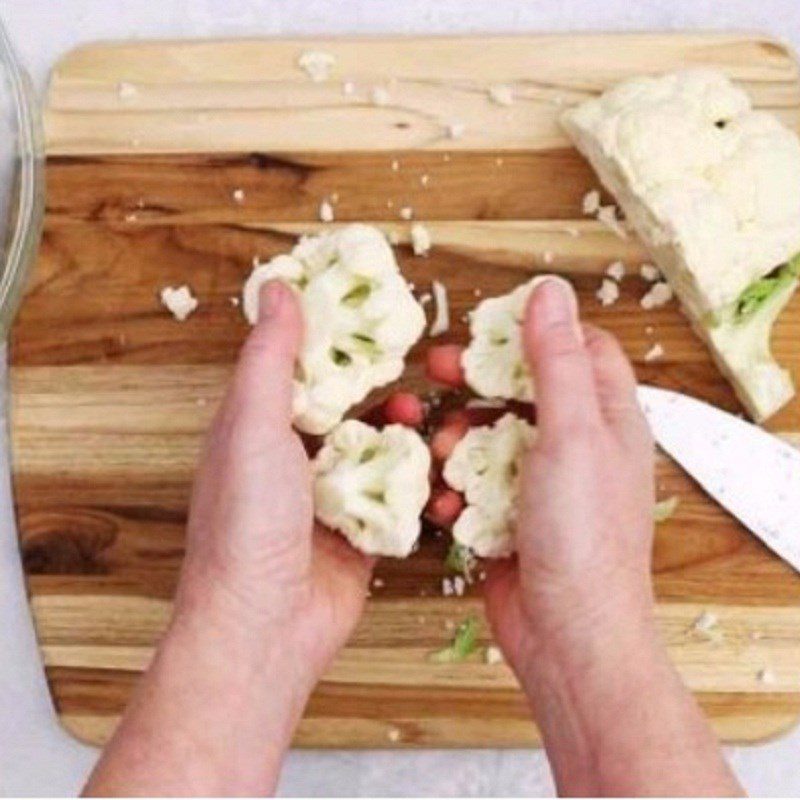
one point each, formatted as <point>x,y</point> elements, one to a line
<point>36,758</point>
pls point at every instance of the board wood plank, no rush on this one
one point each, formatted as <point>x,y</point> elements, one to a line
<point>111,396</point>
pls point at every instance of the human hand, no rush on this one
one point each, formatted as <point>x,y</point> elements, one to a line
<point>255,560</point>
<point>574,614</point>
<point>585,525</point>
<point>264,602</point>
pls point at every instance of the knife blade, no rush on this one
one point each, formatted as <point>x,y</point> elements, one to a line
<point>751,473</point>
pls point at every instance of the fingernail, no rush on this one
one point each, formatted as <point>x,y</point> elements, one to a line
<point>271,298</point>
<point>555,304</point>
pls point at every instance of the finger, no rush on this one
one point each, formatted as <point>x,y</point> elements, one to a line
<point>614,378</point>
<point>263,381</point>
<point>556,353</point>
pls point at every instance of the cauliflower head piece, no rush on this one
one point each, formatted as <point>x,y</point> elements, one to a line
<point>494,363</point>
<point>485,466</point>
<point>360,315</point>
<point>371,485</point>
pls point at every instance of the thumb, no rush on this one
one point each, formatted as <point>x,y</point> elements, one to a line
<point>558,359</point>
<point>263,381</point>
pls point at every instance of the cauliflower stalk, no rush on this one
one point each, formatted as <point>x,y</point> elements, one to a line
<point>361,319</point>
<point>494,362</point>
<point>485,466</point>
<point>371,485</point>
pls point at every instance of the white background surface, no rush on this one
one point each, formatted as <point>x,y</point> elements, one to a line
<point>34,757</point>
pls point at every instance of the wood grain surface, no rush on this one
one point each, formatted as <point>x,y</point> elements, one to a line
<point>111,396</point>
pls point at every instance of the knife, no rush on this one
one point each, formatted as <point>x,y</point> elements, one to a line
<point>751,473</point>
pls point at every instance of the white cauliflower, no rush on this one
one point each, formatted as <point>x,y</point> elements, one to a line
<point>712,187</point>
<point>361,319</point>
<point>494,363</point>
<point>371,485</point>
<point>485,466</point>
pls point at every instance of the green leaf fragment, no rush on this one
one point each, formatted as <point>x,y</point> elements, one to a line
<point>665,509</point>
<point>759,292</point>
<point>465,643</point>
<point>459,559</point>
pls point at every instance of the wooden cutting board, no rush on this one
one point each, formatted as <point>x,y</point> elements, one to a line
<point>147,144</point>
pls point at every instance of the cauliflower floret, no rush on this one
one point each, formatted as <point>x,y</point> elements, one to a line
<point>361,319</point>
<point>372,485</point>
<point>494,364</point>
<point>485,466</point>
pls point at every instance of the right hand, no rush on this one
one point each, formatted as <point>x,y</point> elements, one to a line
<point>585,526</point>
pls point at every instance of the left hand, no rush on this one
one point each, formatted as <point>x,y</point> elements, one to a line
<point>255,560</point>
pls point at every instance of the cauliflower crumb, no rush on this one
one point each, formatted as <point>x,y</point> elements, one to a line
<point>326,211</point>
<point>654,353</point>
<point>395,165</point>
<point>649,272</point>
<point>455,130</point>
<point>406,213</point>
<point>394,734</point>
<point>181,302</point>
<point>379,96</point>
<point>441,320</point>
<point>234,301</point>
<point>420,239</point>
<point>424,179</point>
<point>126,90</point>
<point>447,587</point>
<point>616,270</point>
<point>317,64</point>
<point>378,583</point>
<point>591,203</point>
<point>493,655</point>
<point>501,93</point>
<point>608,293</point>
<point>238,196</point>
<point>766,676</point>
<point>660,294</point>
<point>459,585</point>
<point>607,215</point>
<point>548,257</point>
<point>707,624</point>
<point>425,298</point>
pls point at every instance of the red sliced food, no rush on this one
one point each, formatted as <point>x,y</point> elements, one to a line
<point>443,365</point>
<point>444,507</point>
<point>404,408</point>
<point>453,429</point>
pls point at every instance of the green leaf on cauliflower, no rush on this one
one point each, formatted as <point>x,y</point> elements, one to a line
<point>759,292</point>
<point>356,296</point>
<point>465,643</point>
<point>665,509</point>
